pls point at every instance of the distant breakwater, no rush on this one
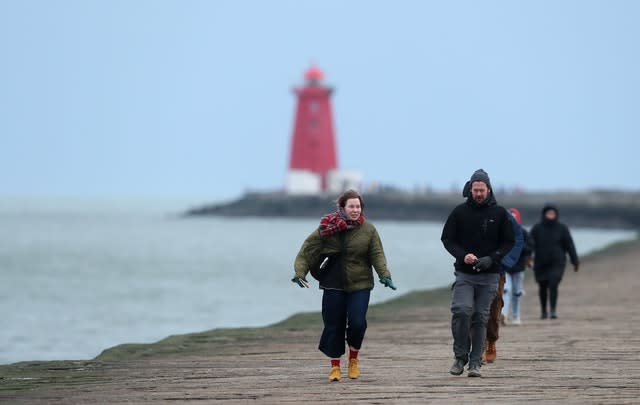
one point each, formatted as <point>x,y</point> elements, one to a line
<point>597,209</point>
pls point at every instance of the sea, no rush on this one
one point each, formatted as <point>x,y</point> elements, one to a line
<point>79,276</point>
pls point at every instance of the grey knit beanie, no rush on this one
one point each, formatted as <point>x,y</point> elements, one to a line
<point>480,175</point>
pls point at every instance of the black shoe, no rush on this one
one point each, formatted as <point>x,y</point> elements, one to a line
<point>458,367</point>
<point>544,315</point>
<point>554,315</point>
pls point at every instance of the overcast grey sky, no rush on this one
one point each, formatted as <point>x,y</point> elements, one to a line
<point>194,97</point>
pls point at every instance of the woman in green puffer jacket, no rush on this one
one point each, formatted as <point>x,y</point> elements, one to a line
<point>343,250</point>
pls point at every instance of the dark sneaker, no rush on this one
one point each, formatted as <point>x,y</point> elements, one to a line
<point>544,315</point>
<point>474,371</point>
<point>554,315</point>
<point>458,367</point>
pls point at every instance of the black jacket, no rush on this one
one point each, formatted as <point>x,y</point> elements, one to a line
<point>551,243</point>
<point>482,229</point>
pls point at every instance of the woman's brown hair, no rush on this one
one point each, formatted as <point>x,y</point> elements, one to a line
<point>347,195</point>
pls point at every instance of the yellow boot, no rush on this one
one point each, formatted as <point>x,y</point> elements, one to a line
<point>354,370</point>
<point>335,373</point>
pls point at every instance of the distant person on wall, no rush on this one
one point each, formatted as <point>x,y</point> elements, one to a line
<point>340,254</point>
<point>478,234</point>
<point>495,314</point>
<point>514,286</point>
<point>551,241</point>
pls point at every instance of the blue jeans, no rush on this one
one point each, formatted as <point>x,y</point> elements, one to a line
<point>513,291</point>
<point>471,300</point>
<point>344,314</point>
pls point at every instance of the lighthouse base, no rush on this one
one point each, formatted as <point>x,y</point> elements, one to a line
<point>305,182</point>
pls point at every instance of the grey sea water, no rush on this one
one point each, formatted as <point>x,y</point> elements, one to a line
<point>77,279</point>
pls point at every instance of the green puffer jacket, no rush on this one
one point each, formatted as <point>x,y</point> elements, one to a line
<point>362,249</point>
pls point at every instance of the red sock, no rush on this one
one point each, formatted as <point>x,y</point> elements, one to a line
<point>335,362</point>
<point>353,354</point>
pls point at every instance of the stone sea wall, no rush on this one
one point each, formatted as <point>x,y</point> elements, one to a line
<point>599,209</point>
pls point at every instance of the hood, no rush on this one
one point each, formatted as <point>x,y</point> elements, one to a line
<point>516,214</point>
<point>549,207</point>
<point>466,190</point>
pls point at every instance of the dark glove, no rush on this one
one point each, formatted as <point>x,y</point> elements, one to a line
<point>576,267</point>
<point>388,282</point>
<point>483,263</point>
<point>300,281</point>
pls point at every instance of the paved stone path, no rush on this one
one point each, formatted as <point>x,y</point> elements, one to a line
<point>589,355</point>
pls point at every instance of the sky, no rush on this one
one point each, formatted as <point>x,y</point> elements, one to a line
<point>170,98</point>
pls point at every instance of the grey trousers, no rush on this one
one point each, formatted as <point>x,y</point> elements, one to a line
<point>471,300</point>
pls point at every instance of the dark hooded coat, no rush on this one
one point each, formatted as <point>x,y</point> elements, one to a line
<point>482,229</point>
<point>551,242</point>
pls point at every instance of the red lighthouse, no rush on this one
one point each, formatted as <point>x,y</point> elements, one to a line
<point>313,146</point>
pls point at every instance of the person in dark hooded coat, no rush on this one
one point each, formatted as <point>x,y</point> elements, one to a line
<point>478,234</point>
<point>551,242</point>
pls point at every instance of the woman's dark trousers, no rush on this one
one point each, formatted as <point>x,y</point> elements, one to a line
<point>344,315</point>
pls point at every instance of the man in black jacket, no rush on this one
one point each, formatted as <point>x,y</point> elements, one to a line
<point>551,242</point>
<point>478,233</point>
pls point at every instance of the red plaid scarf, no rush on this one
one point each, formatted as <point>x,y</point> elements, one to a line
<point>336,222</point>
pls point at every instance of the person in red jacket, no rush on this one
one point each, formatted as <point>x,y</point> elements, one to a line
<point>513,290</point>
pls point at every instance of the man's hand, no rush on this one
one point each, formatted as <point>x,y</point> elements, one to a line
<point>300,281</point>
<point>530,262</point>
<point>483,263</point>
<point>470,258</point>
<point>576,267</point>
